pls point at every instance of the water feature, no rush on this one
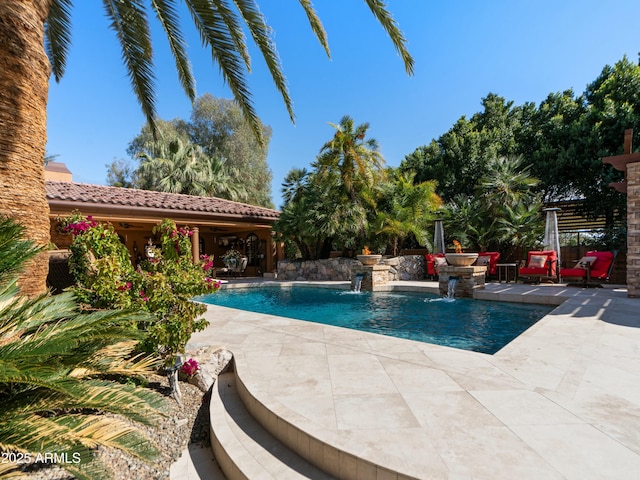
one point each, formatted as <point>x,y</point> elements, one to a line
<point>358,282</point>
<point>476,325</point>
<point>451,290</point>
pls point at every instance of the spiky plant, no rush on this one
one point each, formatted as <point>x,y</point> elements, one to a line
<point>61,370</point>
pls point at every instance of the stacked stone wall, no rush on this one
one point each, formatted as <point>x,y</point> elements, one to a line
<point>338,269</point>
<point>633,229</point>
<point>408,267</point>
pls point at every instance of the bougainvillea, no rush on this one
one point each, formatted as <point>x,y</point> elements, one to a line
<point>190,367</point>
<point>163,285</point>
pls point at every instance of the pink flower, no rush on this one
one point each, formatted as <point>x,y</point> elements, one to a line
<point>144,296</point>
<point>190,367</point>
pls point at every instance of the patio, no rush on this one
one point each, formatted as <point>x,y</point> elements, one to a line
<point>561,401</point>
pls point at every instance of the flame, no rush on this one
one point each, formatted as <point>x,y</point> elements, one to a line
<point>457,246</point>
<point>366,251</point>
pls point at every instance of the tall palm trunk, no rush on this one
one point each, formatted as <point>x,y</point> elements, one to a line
<point>24,84</point>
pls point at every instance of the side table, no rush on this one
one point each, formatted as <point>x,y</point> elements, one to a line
<point>507,270</point>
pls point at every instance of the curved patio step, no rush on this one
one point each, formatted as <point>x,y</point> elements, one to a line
<point>243,448</point>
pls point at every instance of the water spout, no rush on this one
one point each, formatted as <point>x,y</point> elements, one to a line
<point>451,290</point>
<point>358,282</point>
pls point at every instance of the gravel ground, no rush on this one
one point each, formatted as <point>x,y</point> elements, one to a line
<point>183,425</point>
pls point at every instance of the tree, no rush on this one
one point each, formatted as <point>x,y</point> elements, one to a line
<point>34,42</point>
<point>219,127</point>
<point>237,161</point>
<point>356,159</point>
<point>405,209</point>
<point>503,213</point>
<point>460,156</point>
<point>60,373</point>
<point>121,173</point>
<point>317,217</point>
<point>182,167</point>
<point>352,164</point>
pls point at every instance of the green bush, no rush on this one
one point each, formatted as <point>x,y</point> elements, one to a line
<point>162,285</point>
<point>61,369</point>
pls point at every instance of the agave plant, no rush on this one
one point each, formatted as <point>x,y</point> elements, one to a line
<point>61,370</point>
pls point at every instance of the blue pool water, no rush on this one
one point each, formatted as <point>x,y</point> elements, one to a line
<point>477,325</point>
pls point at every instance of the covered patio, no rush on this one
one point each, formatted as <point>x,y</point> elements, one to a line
<point>218,225</point>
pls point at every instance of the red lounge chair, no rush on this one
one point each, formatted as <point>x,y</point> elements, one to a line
<point>490,260</point>
<point>594,265</point>
<point>432,263</point>
<point>541,265</point>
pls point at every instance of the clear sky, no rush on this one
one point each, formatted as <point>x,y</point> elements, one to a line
<point>521,50</point>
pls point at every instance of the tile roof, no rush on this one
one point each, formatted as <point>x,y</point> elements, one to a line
<point>84,193</point>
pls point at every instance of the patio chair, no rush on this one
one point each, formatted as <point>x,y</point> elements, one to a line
<point>593,266</point>
<point>540,265</point>
<point>489,260</point>
<point>434,261</point>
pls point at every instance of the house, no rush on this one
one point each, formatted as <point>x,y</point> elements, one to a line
<point>218,225</point>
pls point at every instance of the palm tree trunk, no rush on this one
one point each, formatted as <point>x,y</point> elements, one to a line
<point>24,85</point>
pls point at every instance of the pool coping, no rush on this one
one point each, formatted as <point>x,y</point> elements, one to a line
<point>553,366</point>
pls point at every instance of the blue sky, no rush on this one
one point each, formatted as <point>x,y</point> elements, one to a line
<point>463,50</point>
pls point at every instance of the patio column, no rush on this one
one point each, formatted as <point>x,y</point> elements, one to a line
<point>633,230</point>
<point>629,163</point>
<point>195,244</point>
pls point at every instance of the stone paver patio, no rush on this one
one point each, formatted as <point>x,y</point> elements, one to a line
<point>562,401</point>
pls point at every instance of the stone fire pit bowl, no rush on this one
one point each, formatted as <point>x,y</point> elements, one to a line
<point>461,259</point>
<point>369,259</point>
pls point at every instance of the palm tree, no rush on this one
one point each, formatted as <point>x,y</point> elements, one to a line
<point>406,209</point>
<point>507,180</point>
<point>59,371</point>
<point>356,159</point>
<point>294,184</point>
<point>34,42</point>
<point>183,167</point>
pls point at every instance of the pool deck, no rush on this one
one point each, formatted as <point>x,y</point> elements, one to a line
<point>562,401</point>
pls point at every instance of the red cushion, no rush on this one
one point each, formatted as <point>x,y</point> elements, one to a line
<point>533,271</point>
<point>493,260</point>
<point>573,272</point>
<point>551,255</point>
<point>602,264</point>
<point>429,257</point>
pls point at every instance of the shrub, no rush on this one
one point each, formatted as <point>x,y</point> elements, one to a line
<point>162,285</point>
<point>61,369</point>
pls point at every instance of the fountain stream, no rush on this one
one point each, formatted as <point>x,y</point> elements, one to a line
<point>451,290</point>
<point>358,282</point>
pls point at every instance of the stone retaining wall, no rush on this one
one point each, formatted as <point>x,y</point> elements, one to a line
<point>409,267</point>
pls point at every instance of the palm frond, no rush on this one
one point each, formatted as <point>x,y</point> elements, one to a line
<point>379,10</point>
<point>316,25</point>
<point>262,36</point>
<point>235,30</point>
<point>129,21</point>
<point>58,35</point>
<point>13,254</point>
<point>215,34</point>
<point>168,17</point>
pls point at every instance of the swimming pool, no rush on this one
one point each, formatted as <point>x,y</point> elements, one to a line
<point>476,325</point>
